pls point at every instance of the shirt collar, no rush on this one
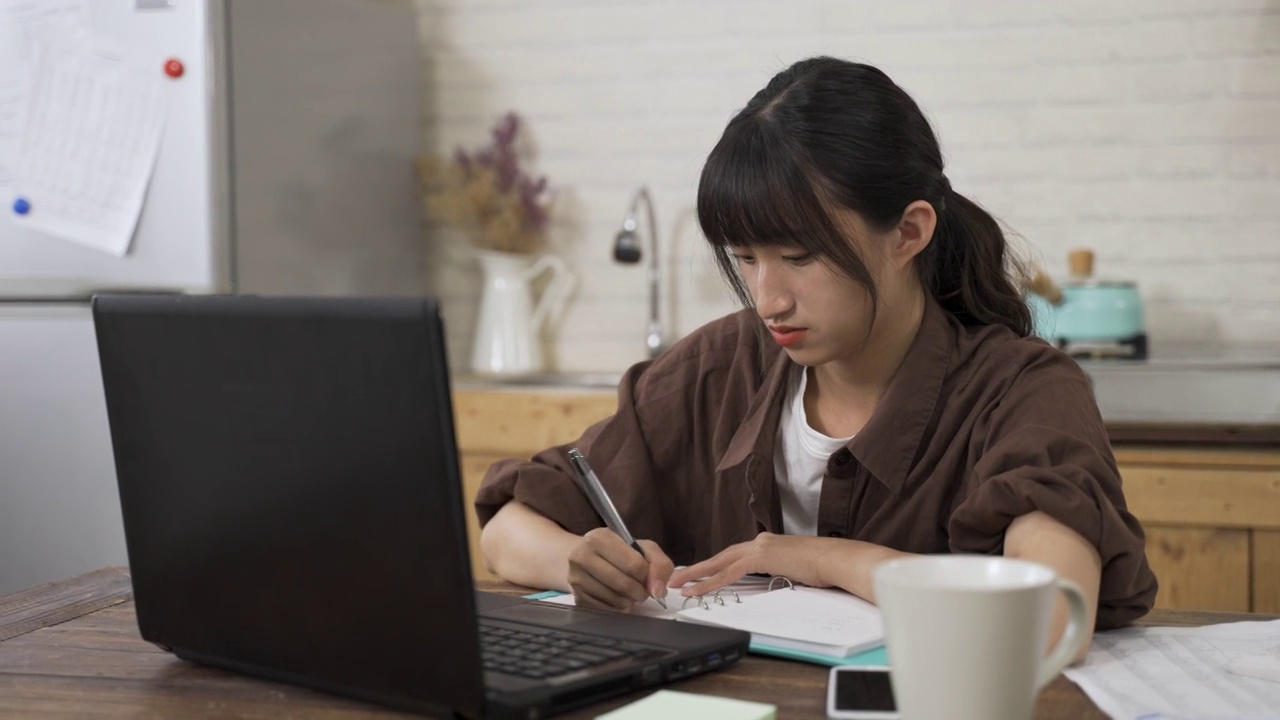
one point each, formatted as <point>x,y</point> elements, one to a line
<point>755,435</point>
<point>890,441</point>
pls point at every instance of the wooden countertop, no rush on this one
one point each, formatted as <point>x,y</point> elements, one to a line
<point>506,420</point>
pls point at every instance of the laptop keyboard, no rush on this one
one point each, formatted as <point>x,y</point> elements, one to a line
<point>546,654</point>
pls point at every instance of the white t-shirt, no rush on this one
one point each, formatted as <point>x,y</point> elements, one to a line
<point>800,460</point>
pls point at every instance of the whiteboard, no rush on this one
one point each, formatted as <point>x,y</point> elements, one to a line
<point>179,243</point>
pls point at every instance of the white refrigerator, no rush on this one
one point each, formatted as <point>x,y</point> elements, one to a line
<point>284,165</point>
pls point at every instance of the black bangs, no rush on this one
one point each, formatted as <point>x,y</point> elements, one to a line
<point>757,190</point>
<point>753,191</point>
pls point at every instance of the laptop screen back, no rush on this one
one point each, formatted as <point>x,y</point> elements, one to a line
<point>290,489</point>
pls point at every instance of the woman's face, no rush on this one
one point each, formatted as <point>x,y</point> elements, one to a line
<point>812,310</point>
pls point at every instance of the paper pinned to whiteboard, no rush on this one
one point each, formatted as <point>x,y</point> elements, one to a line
<point>22,24</point>
<point>93,126</point>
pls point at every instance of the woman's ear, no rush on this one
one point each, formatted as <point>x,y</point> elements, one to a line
<point>914,232</point>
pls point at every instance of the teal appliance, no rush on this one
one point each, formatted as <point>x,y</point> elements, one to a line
<point>1089,317</point>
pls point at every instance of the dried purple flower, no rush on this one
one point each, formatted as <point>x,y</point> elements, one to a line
<point>488,193</point>
<point>504,132</point>
<point>462,160</point>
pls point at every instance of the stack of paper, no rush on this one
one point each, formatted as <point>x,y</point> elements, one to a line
<point>1182,673</point>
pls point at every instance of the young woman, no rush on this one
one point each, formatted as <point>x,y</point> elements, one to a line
<point>881,394</point>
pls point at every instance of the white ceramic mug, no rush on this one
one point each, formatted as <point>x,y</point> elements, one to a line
<point>966,634</point>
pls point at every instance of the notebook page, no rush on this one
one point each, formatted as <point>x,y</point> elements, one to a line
<point>830,621</point>
<point>674,704</point>
<point>745,587</point>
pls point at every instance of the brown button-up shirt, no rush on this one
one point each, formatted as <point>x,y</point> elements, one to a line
<point>978,427</point>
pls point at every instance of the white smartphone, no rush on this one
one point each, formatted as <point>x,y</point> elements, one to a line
<point>856,692</point>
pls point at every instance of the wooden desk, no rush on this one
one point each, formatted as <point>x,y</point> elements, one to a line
<point>72,648</point>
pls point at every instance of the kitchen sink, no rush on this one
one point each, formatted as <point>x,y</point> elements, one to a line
<point>1190,386</point>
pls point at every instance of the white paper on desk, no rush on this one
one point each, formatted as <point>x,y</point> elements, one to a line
<point>1180,673</point>
<point>22,24</point>
<point>89,141</point>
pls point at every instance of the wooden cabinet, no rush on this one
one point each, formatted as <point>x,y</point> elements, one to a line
<point>474,465</point>
<point>1265,567</point>
<point>496,424</point>
<point>1213,524</point>
<point>1200,567</point>
<point>1212,515</point>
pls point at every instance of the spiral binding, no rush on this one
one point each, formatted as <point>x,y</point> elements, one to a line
<point>718,599</point>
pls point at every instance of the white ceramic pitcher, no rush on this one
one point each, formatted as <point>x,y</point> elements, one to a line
<point>509,327</point>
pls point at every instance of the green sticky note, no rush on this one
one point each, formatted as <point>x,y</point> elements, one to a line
<point>669,704</point>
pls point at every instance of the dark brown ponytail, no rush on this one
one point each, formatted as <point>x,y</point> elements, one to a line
<point>831,133</point>
<point>968,269</point>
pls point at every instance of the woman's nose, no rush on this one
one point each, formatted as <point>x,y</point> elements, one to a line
<point>773,298</point>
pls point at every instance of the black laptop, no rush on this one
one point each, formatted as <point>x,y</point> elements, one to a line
<point>293,509</point>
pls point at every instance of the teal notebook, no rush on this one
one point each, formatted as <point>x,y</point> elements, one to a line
<point>875,657</point>
<point>820,626</point>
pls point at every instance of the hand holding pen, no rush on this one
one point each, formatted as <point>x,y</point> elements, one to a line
<point>599,571</point>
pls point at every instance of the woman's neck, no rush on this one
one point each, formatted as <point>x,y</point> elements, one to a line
<point>843,394</point>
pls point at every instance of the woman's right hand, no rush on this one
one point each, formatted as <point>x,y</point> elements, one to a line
<point>605,572</point>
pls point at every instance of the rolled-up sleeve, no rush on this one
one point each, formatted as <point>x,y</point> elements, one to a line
<point>542,482</point>
<point>657,455</point>
<point>617,451</point>
<point>1044,448</point>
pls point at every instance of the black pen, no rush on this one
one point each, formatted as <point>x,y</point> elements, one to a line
<point>591,487</point>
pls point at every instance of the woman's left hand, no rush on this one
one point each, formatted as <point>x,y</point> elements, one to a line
<point>794,556</point>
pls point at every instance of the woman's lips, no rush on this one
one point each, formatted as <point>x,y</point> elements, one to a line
<point>787,336</point>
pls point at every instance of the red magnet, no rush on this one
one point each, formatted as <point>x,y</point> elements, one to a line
<point>173,68</point>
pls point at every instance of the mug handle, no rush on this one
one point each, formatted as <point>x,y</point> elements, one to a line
<point>557,291</point>
<point>1073,637</point>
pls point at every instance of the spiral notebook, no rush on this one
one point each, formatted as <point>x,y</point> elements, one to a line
<point>818,625</point>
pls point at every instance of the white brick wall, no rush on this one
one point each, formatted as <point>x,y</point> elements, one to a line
<point>1147,129</point>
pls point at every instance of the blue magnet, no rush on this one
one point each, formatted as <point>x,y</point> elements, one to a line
<point>22,206</point>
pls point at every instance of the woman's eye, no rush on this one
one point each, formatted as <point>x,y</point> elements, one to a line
<point>800,259</point>
<point>744,259</point>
